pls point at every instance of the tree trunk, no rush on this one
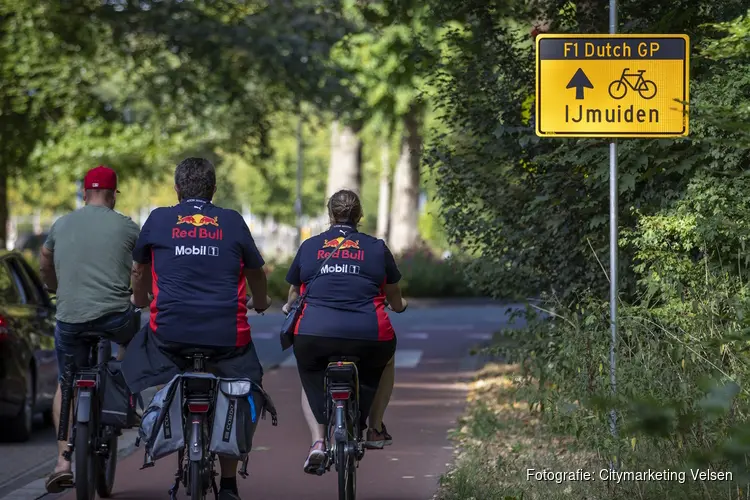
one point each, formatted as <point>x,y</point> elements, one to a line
<point>404,230</point>
<point>384,195</point>
<point>345,168</point>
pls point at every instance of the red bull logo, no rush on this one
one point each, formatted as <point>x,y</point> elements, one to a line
<point>198,220</point>
<point>197,231</point>
<point>349,250</point>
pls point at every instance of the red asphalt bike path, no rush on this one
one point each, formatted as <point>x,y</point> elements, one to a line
<point>425,405</point>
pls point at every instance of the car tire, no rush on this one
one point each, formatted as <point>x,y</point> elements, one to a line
<point>19,428</point>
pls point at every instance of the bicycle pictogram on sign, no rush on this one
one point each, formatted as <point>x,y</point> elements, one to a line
<point>619,88</point>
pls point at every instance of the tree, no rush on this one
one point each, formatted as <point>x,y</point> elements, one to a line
<point>536,210</point>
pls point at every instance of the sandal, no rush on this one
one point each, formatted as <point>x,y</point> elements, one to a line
<point>59,481</point>
<point>315,458</point>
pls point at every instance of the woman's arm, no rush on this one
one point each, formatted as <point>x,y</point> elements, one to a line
<point>293,295</point>
<point>394,298</point>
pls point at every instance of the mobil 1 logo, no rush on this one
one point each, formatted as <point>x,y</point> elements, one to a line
<point>340,269</point>
<point>203,250</point>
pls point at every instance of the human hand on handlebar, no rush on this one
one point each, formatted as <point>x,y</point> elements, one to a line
<point>403,302</point>
<point>250,305</point>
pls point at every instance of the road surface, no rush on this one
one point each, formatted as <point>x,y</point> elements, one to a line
<point>432,368</point>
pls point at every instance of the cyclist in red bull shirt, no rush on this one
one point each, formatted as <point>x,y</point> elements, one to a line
<point>198,260</point>
<point>344,314</point>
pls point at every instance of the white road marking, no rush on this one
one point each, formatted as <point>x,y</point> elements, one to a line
<point>417,336</point>
<point>263,335</point>
<point>405,358</point>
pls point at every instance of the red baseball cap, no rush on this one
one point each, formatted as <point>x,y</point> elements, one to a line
<point>100,177</point>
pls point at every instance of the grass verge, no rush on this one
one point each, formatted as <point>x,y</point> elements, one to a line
<point>500,438</point>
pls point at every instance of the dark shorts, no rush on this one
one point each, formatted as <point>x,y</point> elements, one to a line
<point>151,361</point>
<point>118,327</point>
<point>313,353</point>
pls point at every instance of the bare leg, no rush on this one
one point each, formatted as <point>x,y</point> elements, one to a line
<point>62,464</point>
<point>382,396</point>
<point>316,430</point>
<point>228,467</point>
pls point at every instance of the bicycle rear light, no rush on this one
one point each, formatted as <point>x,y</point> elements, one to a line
<point>340,395</point>
<point>197,407</point>
<point>85,383</point>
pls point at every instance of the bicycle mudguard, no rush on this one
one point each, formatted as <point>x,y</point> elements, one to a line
<point>195,442</point>
<point>83,412</point>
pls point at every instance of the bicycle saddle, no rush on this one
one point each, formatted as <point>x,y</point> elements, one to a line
<point>190,352</point>
<point>351,359</point>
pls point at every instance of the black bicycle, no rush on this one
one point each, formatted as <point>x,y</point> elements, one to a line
<point>343,440</point>
<point>94,445</point>
<point>196,467</point>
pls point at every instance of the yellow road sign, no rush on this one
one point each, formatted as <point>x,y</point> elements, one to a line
<point>612,85</point>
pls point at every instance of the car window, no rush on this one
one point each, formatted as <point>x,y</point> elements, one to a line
<point>28,285</point>
<point>9,293</point>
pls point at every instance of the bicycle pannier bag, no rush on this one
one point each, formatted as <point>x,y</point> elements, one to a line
<point>118,403</point>
<point>237,407</point>
<point>162,427</point>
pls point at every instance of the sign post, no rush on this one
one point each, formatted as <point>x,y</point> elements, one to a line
<point>613,246</point>
<point>612,86</point>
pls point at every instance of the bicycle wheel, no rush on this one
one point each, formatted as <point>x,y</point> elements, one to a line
<point>85,481</point>
<point>347,473</point>
<point>647,89</point>
<point>196,481</point>
<point>618,89</point>
<point>107,466</point>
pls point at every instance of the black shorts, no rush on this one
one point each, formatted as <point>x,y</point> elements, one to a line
<point>313,353</point>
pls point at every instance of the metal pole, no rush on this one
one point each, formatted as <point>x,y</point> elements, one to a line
<point>613,252</point>
<point>298,201</point>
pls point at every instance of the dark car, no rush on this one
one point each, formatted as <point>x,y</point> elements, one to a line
<point>28,367</point>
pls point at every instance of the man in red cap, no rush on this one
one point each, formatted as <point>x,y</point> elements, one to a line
<point>86,261</point>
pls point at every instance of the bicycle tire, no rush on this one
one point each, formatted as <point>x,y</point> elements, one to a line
<point>647,89</point>
<point>346,472</point>
<point>614,89</point>
<point>107,467</point>
<point>196,481</point>
<point>85,480</point>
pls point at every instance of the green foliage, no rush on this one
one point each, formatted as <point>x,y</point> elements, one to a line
<point>536,211</point>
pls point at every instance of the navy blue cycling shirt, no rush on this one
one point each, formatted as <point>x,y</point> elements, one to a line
<point>347,300</point>
<point>198,253</point>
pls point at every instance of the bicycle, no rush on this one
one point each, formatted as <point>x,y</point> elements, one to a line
<point>618,89</point>
<point>94,445</point>
<point>343,440</point>
<point>196,467</point>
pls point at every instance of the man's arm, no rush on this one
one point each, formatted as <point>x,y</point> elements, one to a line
<point>47,261</point>
<point>258,284</point>
<point>140,272</point>
<point>253,269</point>
<point>47,269</point>
<point>140,277</point>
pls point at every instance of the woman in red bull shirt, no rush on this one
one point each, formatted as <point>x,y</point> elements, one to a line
<point>344,313</point>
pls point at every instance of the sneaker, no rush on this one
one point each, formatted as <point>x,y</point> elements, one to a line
<point>388,438</point>
<point>315,458</point>
<point>375,439</point>
<point>228,495</point>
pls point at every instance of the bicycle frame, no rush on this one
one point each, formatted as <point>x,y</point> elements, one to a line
<point>83,388</point>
